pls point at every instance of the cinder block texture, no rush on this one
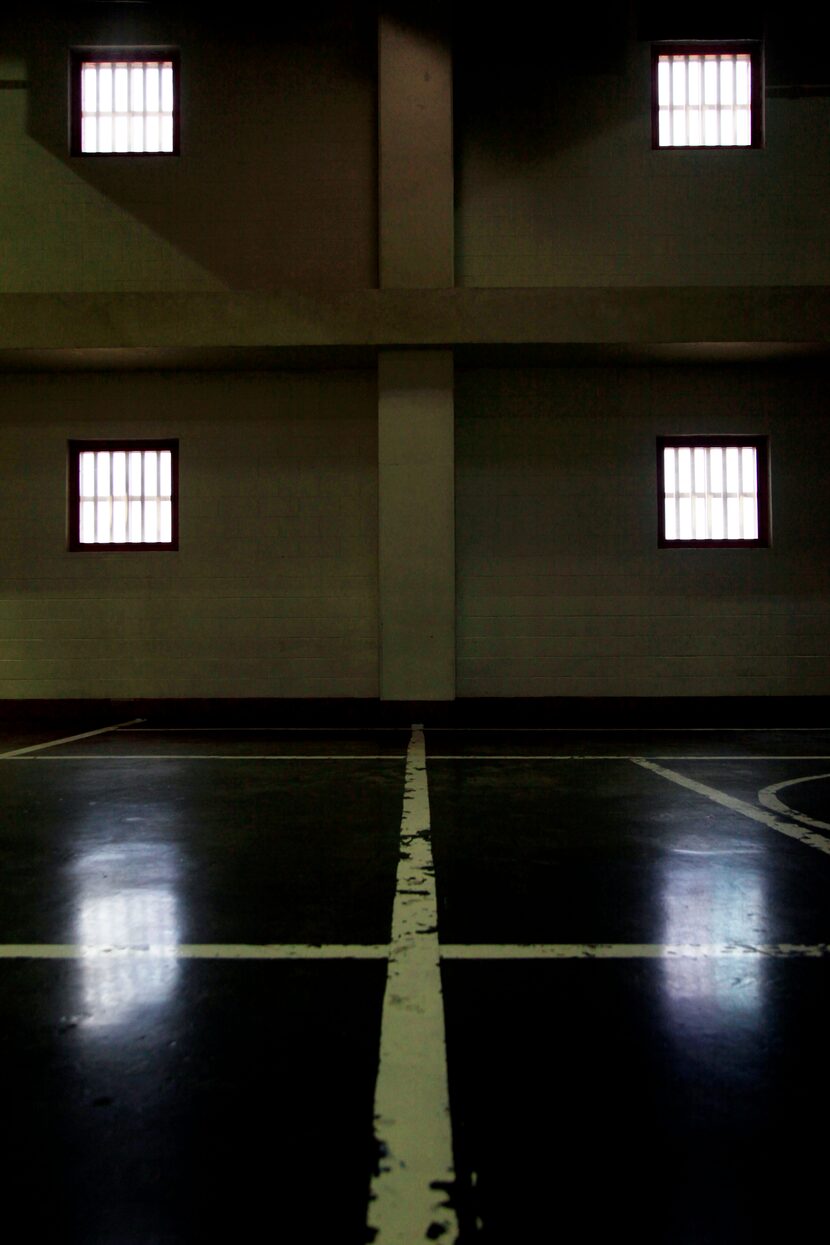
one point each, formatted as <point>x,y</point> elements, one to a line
<point>562,589</point>
<point>417,534</point>
<point>273,591</point>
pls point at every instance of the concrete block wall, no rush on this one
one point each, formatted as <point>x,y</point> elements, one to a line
<point>557,182</point>
<point>562,590</point>
<point>276,181</point>
<point>273,591</point>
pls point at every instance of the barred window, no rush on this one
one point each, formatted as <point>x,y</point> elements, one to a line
<point>713,490</point>
<point>123,495</point>
<point>125,102</point>
<point>706,96</point>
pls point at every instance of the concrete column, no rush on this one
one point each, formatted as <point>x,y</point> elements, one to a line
<point>415,403</point>
<point>416,454</point>
<point>415,154</point>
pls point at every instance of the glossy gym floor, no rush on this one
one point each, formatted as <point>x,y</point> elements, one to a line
<point>275,984</point>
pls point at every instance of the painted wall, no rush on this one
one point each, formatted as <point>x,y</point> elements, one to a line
<point>276,182</point>
<point>557,182</point>
<point>561,587</point>
<point>273,591</point>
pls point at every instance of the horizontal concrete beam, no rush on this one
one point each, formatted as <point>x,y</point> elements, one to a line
<point>403,318</point>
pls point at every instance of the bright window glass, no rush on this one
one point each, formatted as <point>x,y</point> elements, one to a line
<point>127,106</point>
<point>704,99</point>
<point>125,497</point>
<point>711,493</point>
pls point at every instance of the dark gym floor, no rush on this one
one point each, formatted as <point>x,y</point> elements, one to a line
<point>195,937</point>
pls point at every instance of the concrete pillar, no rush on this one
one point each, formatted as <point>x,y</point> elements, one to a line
<point>415,155</point>
<point>416,454</point>
<point>415,403</point>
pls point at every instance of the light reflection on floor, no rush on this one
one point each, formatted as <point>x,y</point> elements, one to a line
<point>115,910</point>
<point>713,900</point>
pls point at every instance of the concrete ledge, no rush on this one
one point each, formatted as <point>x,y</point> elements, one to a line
<point>559,713</point>
<point>401,318</point>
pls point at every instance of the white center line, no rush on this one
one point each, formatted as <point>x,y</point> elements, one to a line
<point>408,1201</point>
<point>793,831</point>
<point>68,739</point>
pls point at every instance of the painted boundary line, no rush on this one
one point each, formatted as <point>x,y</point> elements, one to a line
<point>769,798</point>
<point>793,831</point>
<point>196,951</point>
<point>67,739</point>
<point>449,951</point>
<point>209,756</point>
<point>367,756</point>
<point>274,730</point>
<point>631,951</point>
<point>607,756</point>
<point>500,730</point>
<point>409,1194</point>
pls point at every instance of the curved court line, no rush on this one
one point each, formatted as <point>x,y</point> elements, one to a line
<point>769,799</point>
<point>819,841</point>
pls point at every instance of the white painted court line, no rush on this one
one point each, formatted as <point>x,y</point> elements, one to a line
<point>793,831</point>
<point>291,730</point>
<point>208,756</point>
<point>625,730</point>
<point>374,756</point>
<point>630,951</point>
<point>449,951</point>
<point>67,739</point>
<point>197,951</point>
<point>770,800</point>
<point>408,1199</point>
<point>610,756</point>
<point>501,730</point>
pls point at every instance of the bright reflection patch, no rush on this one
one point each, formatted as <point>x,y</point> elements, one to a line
<point>116,983</point>
<point>127,106</point>
<point>127,924</point>
<point>712,899</point>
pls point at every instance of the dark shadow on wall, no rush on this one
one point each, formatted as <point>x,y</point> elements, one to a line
<point>527,86</point>
<point>276,182</point>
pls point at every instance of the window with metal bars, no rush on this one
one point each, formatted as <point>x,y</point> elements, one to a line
<point>713,491</point>
<point>123,495</point>
<point>706,95</point>
<point>125,102</point>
